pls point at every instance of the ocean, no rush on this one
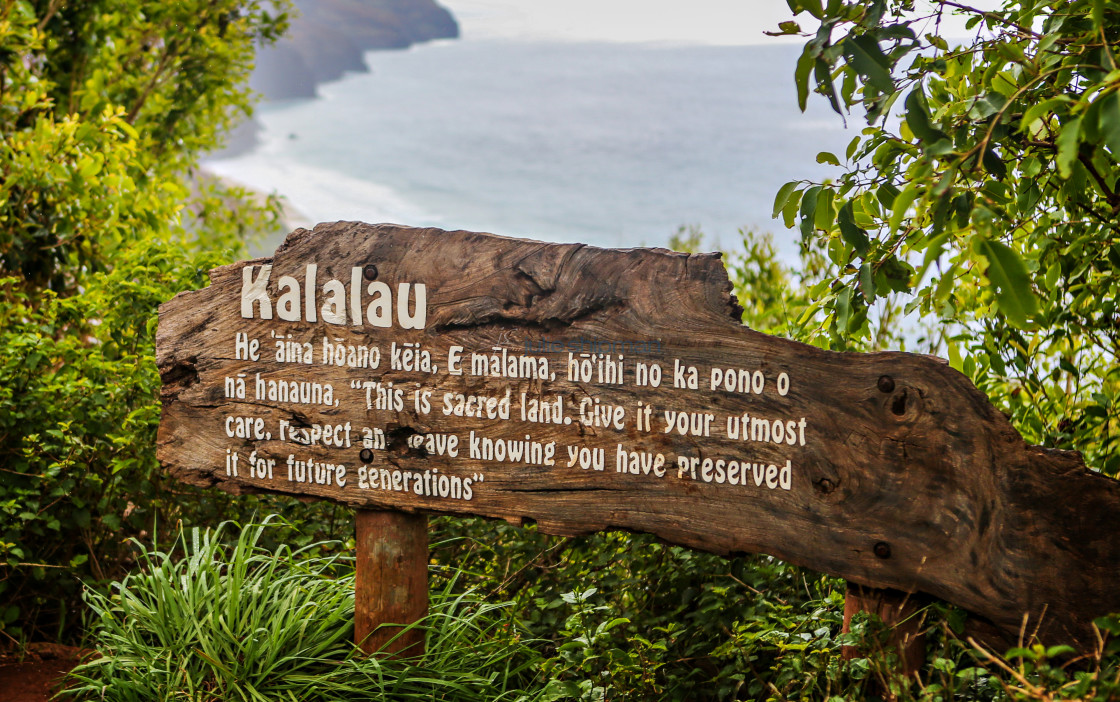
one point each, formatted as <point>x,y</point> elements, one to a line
<point>614,144</point>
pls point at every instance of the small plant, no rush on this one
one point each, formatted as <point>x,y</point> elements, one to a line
<point>205,621</point>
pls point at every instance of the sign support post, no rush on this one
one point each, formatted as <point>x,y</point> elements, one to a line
<point>391,582</point>
<point>899,611</point>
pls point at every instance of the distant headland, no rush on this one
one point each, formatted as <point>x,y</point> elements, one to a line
<point>328,38</point>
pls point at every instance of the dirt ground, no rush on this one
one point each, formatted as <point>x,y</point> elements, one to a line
<point>36,677</point>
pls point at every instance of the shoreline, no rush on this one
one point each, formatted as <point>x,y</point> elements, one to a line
<point>264,243</point>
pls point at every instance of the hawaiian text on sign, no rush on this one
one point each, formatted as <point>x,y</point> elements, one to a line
<point>298,302</point>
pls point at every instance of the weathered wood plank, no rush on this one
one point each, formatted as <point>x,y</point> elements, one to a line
<point>892,470</point>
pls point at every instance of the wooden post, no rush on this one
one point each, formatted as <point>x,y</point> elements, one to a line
<point>391,583</point>
<point>898,610</point>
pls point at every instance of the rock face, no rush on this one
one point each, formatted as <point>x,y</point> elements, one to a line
<point>329,37</point>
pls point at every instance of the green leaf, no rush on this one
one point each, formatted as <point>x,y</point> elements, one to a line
<point>917,118</point>
<point>1110,624</point>
<point>801,75</point>
<point>864,55</point>
<point>1060,650</point>
<point>607,626</point>
<point>1068,367</point>
<point>901,205</point>
<point>1037,111</point>
<point>934,249</point>
<point>853,236</point>
<point>988,105</point>
<point>1011,52</point>
<point>560,689</point>
<point>867,283</point>
<point>897,274</point>
<point>885,194</point>
<point>954,356</point>
<point>782,197</point>
<point>1114,255</point>
<point>784,28</point>
<point>1110,123</point>
<point>843,307</point>
<point>942,207</point>
<point>89,166</point>
<point>1068,140</point>
<point>790,209</point>
<point>809,209</point>
<point>1008,274</point>
<point>1052,274</point>
<point>852,146</point>
<point>900,30</point>
<point>994,164</point>
<point>824,213</point>
<point>827,157</point>
<point>813,7</point>
<point>823,74</point>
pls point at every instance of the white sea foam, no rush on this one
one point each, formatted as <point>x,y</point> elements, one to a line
<point>318,194</point>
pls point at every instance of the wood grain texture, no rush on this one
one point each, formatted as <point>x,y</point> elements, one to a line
<point>391,581</point>
<point>908,477</point>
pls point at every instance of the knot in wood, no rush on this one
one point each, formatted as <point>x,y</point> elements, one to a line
<point>883,549</point>
<point>825,486</point>
<point>886,384</point>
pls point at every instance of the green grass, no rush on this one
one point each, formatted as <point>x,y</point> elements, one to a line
<point>220,617</point>
<point>210,621</point>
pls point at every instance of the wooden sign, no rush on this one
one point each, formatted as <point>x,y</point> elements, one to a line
<point>583,389</point>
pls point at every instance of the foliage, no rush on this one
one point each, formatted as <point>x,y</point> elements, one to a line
<point>1038,672</point>
<point>622,617</point>
<point>78,419</point>
<point>235,613</point>
<point>104,107</point>
<point>989,202</point>
<point>202,621</point>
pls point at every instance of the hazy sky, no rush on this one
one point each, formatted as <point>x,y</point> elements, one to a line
<point>727,22</point>
<point>694,21</point>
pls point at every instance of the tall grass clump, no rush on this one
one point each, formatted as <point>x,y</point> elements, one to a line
<point>222,618</point>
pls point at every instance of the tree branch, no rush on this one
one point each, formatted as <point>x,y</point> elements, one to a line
<point>991,15</point>
<point>172,49</point>
<point>52,8</point>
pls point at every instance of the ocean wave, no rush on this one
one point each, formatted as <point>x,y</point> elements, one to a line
<point>318,194</point>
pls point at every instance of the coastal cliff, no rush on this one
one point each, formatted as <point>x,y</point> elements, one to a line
<point>328,38</point>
